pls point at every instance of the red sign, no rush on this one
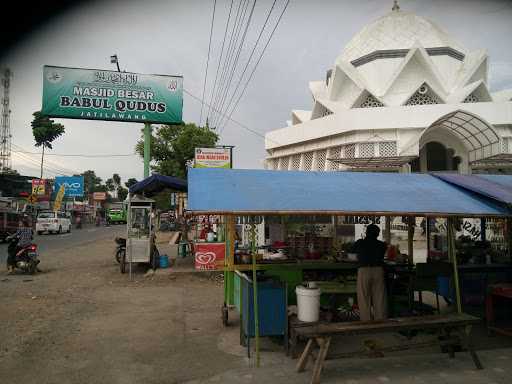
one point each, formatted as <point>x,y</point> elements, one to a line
<point>98,196</point>
<point>209,256</point>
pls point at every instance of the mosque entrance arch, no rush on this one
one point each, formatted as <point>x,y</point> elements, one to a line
<point>456,140</point>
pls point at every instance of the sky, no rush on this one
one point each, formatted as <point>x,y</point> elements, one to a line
<point>172,37</point>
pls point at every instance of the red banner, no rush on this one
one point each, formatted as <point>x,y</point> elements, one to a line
<point>209,256</point>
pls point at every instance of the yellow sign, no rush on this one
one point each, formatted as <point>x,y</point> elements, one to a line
<point>38,187</point>
<point>58,199</point>
<point>32,199</point>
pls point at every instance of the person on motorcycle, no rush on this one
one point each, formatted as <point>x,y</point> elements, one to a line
<point>25,234</point>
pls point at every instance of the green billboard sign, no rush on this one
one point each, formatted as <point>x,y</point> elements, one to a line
<point>95,94</point>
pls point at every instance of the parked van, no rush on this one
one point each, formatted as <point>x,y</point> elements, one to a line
<point>52,222</point>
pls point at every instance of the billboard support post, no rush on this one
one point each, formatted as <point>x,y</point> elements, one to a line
<point>147,148</point>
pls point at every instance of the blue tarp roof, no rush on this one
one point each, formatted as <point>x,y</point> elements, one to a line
<point>156,183</point>
<point>497,187</point>
<point>259,191</point>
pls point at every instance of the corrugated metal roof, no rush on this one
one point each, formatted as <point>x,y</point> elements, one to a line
<point>260,191</point>
<point>497,187</point>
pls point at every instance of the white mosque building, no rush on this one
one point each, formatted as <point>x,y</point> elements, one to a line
<point>403,96</point>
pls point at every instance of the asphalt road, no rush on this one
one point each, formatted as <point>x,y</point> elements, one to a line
<point>50,243</point>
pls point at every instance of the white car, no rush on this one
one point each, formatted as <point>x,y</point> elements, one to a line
<point>55,222</point>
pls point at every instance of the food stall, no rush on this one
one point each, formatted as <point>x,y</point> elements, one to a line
<point>306,231</point>
<point>140,229</point>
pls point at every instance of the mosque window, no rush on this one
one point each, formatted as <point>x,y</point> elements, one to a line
<point>334,153</point>
<point>371,102</point>
<point>296,162</point>
<point>423,96</point>
<point>320,160</point>
<point>366,150</point>
<point>471,98</point>
<point>283,163</point>
<point>350,151</point>
<point>504,142</point>
<point>308,161</point>
<point>387,149</point>
<point>272,164</point>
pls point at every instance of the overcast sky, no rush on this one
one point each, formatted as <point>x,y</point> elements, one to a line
<point>171,37</point>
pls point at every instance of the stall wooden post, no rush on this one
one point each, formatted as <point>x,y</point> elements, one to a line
<point>410,238</point>
<point>387,230</point>
<point>255,292</point>
<point>452,255</point>
<point>508,233</point>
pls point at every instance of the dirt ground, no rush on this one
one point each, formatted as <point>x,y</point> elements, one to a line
<point>81,321</point>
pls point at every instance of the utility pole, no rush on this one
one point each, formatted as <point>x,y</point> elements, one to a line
<point>147,129</point>
<point>5,127</point>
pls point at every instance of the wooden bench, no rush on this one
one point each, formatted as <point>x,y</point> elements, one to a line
<point>321,334</point>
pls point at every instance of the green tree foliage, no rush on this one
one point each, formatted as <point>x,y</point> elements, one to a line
<point>109,183</point>
<point>45,131</point>
<point>173,147</point>
<point>92,183</point>
<point>131,181</point>
<point>122,193</point>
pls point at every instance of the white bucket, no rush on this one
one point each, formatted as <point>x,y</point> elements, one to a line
<point>308,303</point>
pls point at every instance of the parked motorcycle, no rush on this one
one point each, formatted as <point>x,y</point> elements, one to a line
<point>120,249</point>
<point>25,259</point>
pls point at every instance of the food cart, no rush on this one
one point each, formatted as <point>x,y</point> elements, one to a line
<point>253,196</point>
<point>140,245</point>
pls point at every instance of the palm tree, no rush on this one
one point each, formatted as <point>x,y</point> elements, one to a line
<point>45,131</point>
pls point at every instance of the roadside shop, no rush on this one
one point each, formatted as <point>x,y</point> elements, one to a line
<point>288,231</point>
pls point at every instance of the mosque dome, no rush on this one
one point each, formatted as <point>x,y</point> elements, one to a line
<point>397,30</point>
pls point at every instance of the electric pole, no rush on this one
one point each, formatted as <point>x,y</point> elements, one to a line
<point>5,128</point>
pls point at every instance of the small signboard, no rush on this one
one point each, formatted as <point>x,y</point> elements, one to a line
<point>99,196</point>
<point>212,158</point>
<point>95,94</point>
<point>38,186</point>
<point>209,256</point>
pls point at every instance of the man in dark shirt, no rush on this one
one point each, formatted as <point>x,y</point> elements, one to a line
<point>371,287</point>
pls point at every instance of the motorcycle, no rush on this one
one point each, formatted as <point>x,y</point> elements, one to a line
<point>78,222</point>
<point>26,258</point>
<point>120,249</point>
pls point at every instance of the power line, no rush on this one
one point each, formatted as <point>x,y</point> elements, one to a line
<point>227,60</point>
<point>250,56</point>
<point>220,58</point>
<point>259,59</point>
<point>207,60</point>
<point>81,155</point>
<point>233,120</point>
<point>235,63</point>
<point>54,166</point>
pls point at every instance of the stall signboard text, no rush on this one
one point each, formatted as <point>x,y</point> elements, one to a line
<point>73,185</point>
<point>212,158</point>
<point>38,187</point>
<point>209,256</point>
<point>95,94</point>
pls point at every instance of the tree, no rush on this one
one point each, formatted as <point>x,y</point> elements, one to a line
<point>110,185</point>
<point>173,147</point>
<point>131,181</point>
<point>92,183</point>
<point>45,131</point>
<point>122,193</point>
<point>117,181</point>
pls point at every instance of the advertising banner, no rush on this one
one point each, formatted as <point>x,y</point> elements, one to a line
<point>95,94</point>
<point>98,196</point>
<point>209,256</point>
<point>38,187</point>
<point>212,158</point>
<point>58,199</point>
<point>74,185</point>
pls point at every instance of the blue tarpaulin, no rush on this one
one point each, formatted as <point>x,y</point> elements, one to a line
<point>156,183</point>
<point>497,187</point>
<point>259,191</point>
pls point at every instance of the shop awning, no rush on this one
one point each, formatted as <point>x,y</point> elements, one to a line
<point>241,192</point>
<point>497,187</point>
<point>157,183</point>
